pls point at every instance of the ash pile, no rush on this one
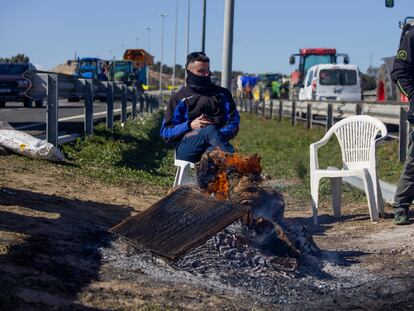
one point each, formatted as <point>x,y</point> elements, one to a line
<point>229,228</point>
<point>260,244</point>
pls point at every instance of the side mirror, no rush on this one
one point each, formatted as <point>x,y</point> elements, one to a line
<point>292,60</point>
<point>389,3</point>
<point>346,60</point>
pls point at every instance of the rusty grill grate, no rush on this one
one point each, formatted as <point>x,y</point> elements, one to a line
<point>182,220</point>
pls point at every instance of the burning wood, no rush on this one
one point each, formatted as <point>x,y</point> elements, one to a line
<point>238,179</point>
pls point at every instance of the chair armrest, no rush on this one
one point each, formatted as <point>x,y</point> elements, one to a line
<point>313,151</point>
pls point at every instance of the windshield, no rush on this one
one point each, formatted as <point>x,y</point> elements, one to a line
<point>122,66</point>
<point>312,60</point>
<point>87,65</point>
<point>13,69</point>
<point>271,77</point>
<point>338,77</point>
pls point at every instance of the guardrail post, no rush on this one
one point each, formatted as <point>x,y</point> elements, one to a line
<point>271,110</point>
<point>134,102</point>
<point>141,103</point>
<point>88,106</point>
<point>264,108</point>
<point>123,103</point>
<point>152,103</point>
<point>109,105</point>
<point>147,103</point>
<point>403,135</point>
<point>280,110</point>
<point>293,113</point>
<point>309,116</point>
<point>52,125</point>
<point>329,117</point>
<point>358,109</point>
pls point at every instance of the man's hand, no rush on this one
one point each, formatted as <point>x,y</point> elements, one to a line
<point>200,122</point>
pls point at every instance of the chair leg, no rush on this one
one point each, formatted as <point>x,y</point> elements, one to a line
<point>380,200</point>
<point>336,184</point>
<point>185,177</point>
<point>177,177</point>
<point>370,192</point>
<point>315,197</point>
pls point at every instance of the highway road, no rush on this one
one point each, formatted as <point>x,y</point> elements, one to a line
<point>35,118</point>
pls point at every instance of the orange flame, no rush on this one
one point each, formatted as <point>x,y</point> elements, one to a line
<point>242,164</point>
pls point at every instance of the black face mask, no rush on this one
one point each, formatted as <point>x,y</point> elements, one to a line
<point>200,83</point>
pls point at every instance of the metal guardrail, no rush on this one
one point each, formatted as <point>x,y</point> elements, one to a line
<point>326,112</point>
<point>55,86</point>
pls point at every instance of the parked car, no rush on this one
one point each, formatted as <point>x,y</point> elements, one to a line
<point>332,82</point>
<point>14,85</point>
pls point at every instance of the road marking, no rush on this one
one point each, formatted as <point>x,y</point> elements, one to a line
<point>95,114</point>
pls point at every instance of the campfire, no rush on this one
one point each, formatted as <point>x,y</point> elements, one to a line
<point>229,213</point>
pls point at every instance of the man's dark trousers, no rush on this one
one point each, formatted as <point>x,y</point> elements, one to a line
<point>404,195</point>
<point>196,142</point>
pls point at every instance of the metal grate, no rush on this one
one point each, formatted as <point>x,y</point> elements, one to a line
<point>177,223</point>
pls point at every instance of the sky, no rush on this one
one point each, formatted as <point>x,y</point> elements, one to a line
<point>266,32</point>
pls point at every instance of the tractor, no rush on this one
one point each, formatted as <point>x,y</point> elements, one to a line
<point>122,71</point>
<point>268,86</point>
<point>309,57</point>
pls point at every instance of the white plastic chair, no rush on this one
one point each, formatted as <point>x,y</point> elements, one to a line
<point>183,169</point>
<point>357,137</point>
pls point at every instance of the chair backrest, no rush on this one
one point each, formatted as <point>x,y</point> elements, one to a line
<point>357,137</point>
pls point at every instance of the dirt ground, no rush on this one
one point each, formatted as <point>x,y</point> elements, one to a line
<point>54,246</point>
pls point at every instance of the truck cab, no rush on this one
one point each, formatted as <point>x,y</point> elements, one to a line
<point>91,68</point>
<point>122,71</point>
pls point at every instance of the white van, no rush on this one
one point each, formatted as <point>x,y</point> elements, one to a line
<point>332,82</point>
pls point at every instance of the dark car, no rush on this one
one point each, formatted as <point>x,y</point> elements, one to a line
<point>14,86</point>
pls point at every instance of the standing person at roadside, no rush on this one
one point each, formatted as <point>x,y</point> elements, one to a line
<point>403,76</point>
<point>201,116</point>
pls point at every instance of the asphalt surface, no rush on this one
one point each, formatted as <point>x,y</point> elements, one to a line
<point>70,113</point>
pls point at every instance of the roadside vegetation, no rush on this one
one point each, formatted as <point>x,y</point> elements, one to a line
<point>135,154</point>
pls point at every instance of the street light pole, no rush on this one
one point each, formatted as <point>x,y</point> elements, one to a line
<point>163,15</point>
<point>203,38</point>
<point>188,39</point>
<point>175,44</point>
<point>148,37</point>
<point>227,43</point>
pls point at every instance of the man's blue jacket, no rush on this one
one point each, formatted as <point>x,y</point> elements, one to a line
<point>188,104</point>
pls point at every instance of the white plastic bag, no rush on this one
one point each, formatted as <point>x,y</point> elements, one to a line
<point>27,145</point>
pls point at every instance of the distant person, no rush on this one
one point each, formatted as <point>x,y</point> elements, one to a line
<point>403,76</point>
<point>201,116</point>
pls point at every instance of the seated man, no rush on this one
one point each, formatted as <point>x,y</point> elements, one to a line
<point>201,116</point>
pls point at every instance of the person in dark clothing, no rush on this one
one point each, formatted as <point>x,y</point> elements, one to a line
<point>201,116</point>
<point>403,75</point>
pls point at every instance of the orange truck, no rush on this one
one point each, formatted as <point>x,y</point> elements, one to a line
<point>141,60</point>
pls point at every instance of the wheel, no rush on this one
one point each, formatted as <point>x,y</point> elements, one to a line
<point>256,93</point>
<point>27,103</point>
<point>268,94</point>
<point>39,103</point>
<point>2,104</point>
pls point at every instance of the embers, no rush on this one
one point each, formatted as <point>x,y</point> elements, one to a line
<point>224,174</point>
